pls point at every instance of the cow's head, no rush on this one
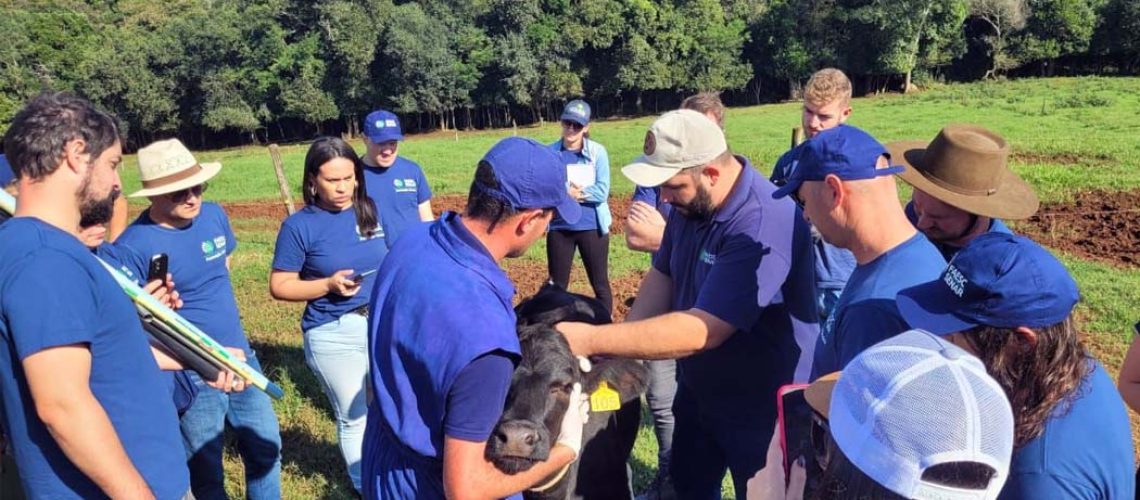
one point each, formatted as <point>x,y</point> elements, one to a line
<point>540,389</point>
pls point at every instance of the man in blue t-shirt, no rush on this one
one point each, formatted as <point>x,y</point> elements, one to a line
<point>963,186</point>
<point>843,181</point>
<point>199,242</point>
<point>827,104</point>
<point>1008,301</point>
<point>730,296</point>
<point>83,404</point>
<point>440,379</point>
<point>396,184</point>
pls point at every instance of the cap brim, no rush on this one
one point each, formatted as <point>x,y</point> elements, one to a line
<point>377,139</point>
<point>575,118</point>
<point>929,306</point>
<point>209,170</point>
<point>818,394</point>
<point>569,210</point>
<point>1014,199</point>
<point>646,174</point>
<point>789,188</point>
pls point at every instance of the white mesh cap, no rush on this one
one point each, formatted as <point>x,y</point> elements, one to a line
<point>915,401</point>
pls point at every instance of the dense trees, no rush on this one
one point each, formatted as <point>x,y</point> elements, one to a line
<point>238,71</point>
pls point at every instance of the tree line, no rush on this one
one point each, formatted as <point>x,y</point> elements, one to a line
<point>223,72</point>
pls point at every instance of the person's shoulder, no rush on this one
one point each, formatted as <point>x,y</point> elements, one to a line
<point>596,148</point>
<point>405,163</point>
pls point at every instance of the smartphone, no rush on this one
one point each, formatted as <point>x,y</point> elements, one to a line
<point>357,278</point>
<point>794,417</point>
<point>158,266</point>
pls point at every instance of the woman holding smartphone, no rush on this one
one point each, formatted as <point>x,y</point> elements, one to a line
<point>326,255</point>
<point>588,173</point>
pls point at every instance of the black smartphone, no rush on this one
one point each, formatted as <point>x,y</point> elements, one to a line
<point>794,416</point>
<point>357,278</point>
<point>158,266</point>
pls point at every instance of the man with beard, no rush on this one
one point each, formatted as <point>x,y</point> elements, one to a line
<point>730,296</point>
<point>843,181</point>
<point>199,241</point>
<point>84,405</point>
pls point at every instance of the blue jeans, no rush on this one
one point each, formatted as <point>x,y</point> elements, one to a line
<point>250,414</point>
<point>337,352</point>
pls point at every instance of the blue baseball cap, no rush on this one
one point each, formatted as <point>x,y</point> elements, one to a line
<point>847,152</point>
<point>577,111</point>
<point>1000,280</point>
<point>382,126</point>
<point>531,175</point>
<point>6,174</point>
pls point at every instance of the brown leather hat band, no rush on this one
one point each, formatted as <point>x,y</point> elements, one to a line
<point>172,178</point>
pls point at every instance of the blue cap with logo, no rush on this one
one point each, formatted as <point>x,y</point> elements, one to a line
<point>845,151</point>
<point>1000,280</point>
<point>530,175</point>
<point>577,111</point>
<point>6,174</point>
<point>382,126</point>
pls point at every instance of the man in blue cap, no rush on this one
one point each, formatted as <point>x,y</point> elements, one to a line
<point>842,179</point>
<point>443,338</point>
<point>396,184</point>
<point>1007,300</point>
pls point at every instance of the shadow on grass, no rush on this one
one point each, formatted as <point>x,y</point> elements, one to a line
<point>289,361</point>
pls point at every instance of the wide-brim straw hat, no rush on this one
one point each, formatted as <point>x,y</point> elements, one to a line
<point>168,166</point>
<point>965,166</point>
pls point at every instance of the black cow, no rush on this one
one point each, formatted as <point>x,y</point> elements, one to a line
<point>539,397</point>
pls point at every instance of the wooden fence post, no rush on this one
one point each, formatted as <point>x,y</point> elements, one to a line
<point>279,169</point>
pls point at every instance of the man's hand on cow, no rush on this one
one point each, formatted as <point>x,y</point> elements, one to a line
<point>164,292</point>
<point>577,335</point>
<point>573,421</point>
<point>339,283</point>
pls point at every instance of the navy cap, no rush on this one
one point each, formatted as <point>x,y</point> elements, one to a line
<point>6,174</point>
<point>847,152</point>
<point>577,111</point>
<point>531,175</point>
<point>382,126</point>
<point>1000,280</point>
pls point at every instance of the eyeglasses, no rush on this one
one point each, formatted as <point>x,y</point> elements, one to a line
<point>821,440</point>
<point>572,125</point>
<point>181,195</point>
<point>795,196</point>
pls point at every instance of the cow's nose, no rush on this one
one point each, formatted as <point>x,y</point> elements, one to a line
<point>517,437</point>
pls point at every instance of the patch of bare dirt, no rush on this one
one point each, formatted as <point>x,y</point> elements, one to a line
<point>1071,159</point>
<point>1098,225</point>
<point>274,210</point>
<point>528,276</point>
<point>455,203</point>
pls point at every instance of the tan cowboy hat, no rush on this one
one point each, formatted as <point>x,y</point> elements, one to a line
<point>167,166</point>
<point>965,166</point>
<point>818,394</point>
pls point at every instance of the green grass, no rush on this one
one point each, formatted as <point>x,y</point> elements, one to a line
<point>1067,134</point>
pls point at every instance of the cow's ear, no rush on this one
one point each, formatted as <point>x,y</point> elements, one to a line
<point>629,377</point>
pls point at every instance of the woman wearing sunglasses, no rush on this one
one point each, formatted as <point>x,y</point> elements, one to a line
<point>912,417</point>
<point>588,174</point>
<point>326,255</point>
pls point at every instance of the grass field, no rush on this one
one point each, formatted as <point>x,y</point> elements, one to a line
<point>1068,135</point>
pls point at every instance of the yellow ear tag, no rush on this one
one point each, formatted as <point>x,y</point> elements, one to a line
<point>604,398</point>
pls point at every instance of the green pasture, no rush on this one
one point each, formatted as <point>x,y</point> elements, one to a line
<point>1068,134</point>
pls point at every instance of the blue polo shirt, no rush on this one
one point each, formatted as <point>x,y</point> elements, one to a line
<point>750,266</point>
<point>316,243</point>
<point>949,251</point>
<point>833,265</point>
<point>422,336</point>
<point>652,196</point>
<point>197,256</point>
<point>6,173</point>
<point>398,191</point>
<point>53,293</point>
<point>866,312</point>
<point>1085,451</point>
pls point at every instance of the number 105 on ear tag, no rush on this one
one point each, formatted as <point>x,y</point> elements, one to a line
<point>604,398</point>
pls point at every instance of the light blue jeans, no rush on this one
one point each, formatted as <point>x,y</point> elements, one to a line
<point>337,352</point>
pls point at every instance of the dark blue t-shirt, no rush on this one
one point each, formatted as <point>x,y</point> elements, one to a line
<point>54,293</point>
<point>866,312</point>
<point>750,266</point>
<point>6,174</point>
<point>316,243</point>
<point>398,191</point>
<point>1085,451</point>
<point>949,251</point>
<point>197,261</point>
<point>423,334</point>
<point>833,265</point>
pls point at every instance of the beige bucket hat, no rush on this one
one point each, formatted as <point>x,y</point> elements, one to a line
<point>167,166</point>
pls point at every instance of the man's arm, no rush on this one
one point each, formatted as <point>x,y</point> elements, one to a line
<point>57,379</point>
<point>653,296</point>
<point>467,474</point>
<point>668,336</point>
<point>426,214</point>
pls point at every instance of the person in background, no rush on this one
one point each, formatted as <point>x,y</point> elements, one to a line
<point>1009,302</point>
<point>320,249</point>
<point>1128,382</point>
<point>396,184</point>
<point>588,172</point>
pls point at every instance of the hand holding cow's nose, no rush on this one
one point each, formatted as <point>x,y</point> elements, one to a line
<point>575,418</point>
<point>577,335</point>
<point>339,283</point>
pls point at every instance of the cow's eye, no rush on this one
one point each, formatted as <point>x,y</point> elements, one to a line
<point>557,387</point>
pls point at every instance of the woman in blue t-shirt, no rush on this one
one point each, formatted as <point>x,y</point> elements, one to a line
<point>327,255</point>
<point>588,175</point>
